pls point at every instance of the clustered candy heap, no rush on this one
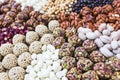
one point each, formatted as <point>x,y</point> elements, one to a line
<point>45,40</point>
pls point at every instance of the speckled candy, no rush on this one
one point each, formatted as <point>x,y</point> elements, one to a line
<point>84,64</point>
<point>74,40</point>
<point>90,75</point>
<point>58,42</point>
<point>80,52</point>
<point>115,76</point>
<point>66,50</point>
<point>96,56</point>
<point>74,74</point>
<point>89,45</point>
<point>103,70</point>
<point>59,31</point>
<point>68,62</point>
<point>70,31</point>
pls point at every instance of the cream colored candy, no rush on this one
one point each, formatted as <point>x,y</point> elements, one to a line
<point>114,44</point>
<point>6,48</point>
<point>105,39</point>
<point>35,47</point>
<point>31,36</point>
<point>18,38</point>
<point>98,42</point>
<point>1,68</point>
<point>106,52</point>
<point>16,73</point>
<point>24,59</point>
<point>9,61</point>
<point>4,76</point>
<point>41,29</point>
<point>20,48</point>
<point>53,24</point>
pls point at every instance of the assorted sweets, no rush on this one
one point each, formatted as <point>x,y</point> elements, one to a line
<point>60,40</point>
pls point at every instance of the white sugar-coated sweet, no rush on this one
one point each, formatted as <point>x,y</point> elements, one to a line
<point>117,56</point>
<point>98,42</point>
<point>108,46</point>
<point>119,43</point>
<point>105,39</point>
<point>46,65</point>
<point>110,28</point>
<point>82,36</point>
<point>114,35</point>
<point>102,27</point>
<point>90,35</point>
<point>106,32</point>
<point>106,52</point>
<point>97,33</point>
<point>117,51</point>
<point>64,78</point>
<point>80,29</point>
<point>114,44</point>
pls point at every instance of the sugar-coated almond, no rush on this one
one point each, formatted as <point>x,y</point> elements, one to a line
<point>97,33</point>
<point>114,36</point>
<point>98,42</point>
<point>117,56</point>
<point>114,44</point>
<point>108,46</point>
<point>90,35</point>
<point>117,51</point>
<point>105,39</point>
<point>106,32</point>
<point>106,52</point>
<point>82,36</point>
<point>110,28</point>
<point>102,27</point>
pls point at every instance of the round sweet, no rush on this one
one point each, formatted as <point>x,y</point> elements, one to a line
<point>47,39</point>
<point>9,61</point>
<point>59,31</point>
<point>84,64</point>
<point>4,76</point>
<point>97,56</point>
<point>41,29</point>
<point>90,75</point>
<point>115,76</point>
<point>20,48</point>
<point>16,73</point>
<point>103,70</point>
<point>115,64</point>
<point>18,38</point>
<point>74,40</point>
<point>1,67</point>
<point>6,48</point>
<point>70,31</point>
<point>35,47</point>
<point>53,24</point>
<point>58,42</point>
<point>74,74</point>
<point>66,49</point>
<point>80,52</point>
<point>24,59</point>
<point>89,45</point>
<point>68,62</point>
<point>31,36</point>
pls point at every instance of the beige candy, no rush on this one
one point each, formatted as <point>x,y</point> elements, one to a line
<point>105,39</point>
<point>98,42</point>
<point>106,52</point>
<point>106,32</point>
<point>82,36</point>
<point>102,27</point>
<point>114,44</point>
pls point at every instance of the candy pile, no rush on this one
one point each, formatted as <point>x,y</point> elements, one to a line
<point>49,7</point>
<point>105,38</point>
<point>46,65</point>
